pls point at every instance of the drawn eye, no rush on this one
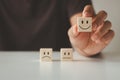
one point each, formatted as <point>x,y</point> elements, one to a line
<point>44,53</point>
<point>82,21</point>
<point>68,53</point>
<point>87,22</point>
<point>64,53</point>
<point>47,53</point>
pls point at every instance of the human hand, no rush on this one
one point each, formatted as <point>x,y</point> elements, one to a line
<point>91,43</point>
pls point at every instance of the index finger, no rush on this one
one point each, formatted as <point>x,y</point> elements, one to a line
<point>99,18</point>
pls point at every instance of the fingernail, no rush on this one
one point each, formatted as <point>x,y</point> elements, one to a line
<point>97,41</point>
<point>86,13</point>
<point>95,37</point>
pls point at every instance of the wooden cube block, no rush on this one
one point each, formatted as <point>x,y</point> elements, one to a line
<point>84,24</point>
<point>66,54</point>
<point>46,54</point>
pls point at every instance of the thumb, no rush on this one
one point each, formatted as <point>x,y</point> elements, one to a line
<point>88,11</point>
<point>72,32</point>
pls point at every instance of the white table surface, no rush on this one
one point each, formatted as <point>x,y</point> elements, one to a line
<point>27,66</point>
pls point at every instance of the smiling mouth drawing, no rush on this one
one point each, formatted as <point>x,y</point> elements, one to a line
<point>84,28</point>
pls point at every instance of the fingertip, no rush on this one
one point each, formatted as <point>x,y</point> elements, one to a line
<point>88,11</point>
<point>104,13</point>
<point>109,36</point>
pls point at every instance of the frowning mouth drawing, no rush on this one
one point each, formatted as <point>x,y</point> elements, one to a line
<point>44,57</point>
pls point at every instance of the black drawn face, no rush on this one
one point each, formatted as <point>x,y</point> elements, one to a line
<point>46,54</point>
<point>66,55</point>
<point>85,23</point>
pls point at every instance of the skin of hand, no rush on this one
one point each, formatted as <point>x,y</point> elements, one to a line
<point>91,43</point>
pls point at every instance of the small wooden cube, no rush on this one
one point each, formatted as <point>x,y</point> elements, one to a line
<point>66,54</point>
<point>84,24</point>
<point>46,54</point>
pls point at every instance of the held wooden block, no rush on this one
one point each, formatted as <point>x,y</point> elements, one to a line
<point>66,54</point>
<point>46,54</point>
<point>84,24</point>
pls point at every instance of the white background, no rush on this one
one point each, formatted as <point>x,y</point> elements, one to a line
<point>112,7</point>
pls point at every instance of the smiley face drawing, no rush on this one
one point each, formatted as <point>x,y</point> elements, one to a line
<point>46,54</point>
<point>84,24</point>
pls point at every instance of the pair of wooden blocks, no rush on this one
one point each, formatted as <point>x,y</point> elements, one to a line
<point>46,54</point>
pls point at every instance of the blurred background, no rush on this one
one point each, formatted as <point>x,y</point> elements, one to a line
<point>112,7</point>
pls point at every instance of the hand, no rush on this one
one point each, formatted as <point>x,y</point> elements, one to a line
<point>91,43</point>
